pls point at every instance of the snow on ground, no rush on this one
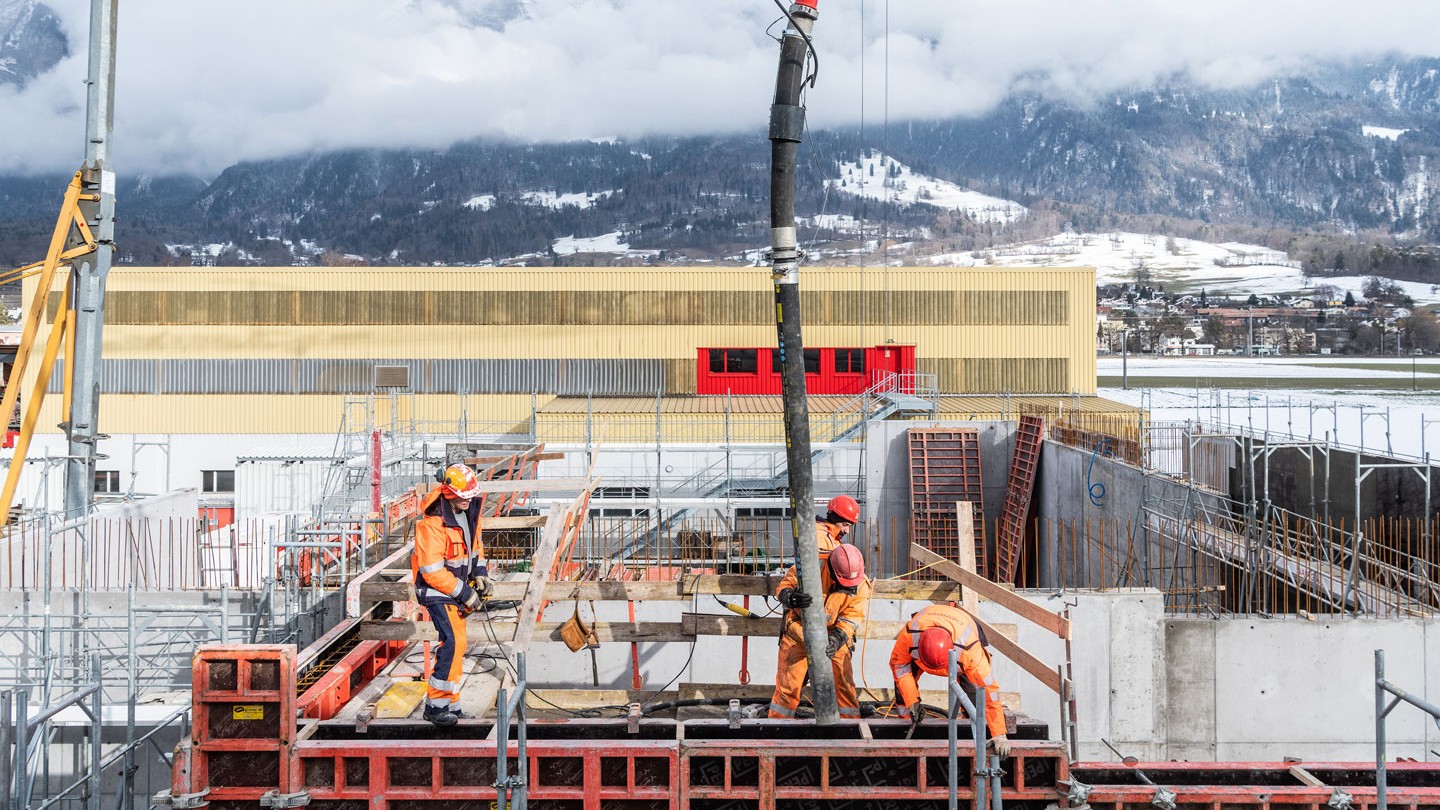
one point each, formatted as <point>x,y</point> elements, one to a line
<point>1383,132</point>
<point>843,223</point>
<point>549,199</point>
<point>480,202</point>
<point>1312,368</point>
<point>1346,417</point>
<point>1231,268</point>
<point>868,178</point>
<point>605,243</point>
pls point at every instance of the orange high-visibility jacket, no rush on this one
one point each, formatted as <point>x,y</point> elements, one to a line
<point>827,537</point>
<point>441,562</point>
<point>974,660</point>
<point>843,610</point>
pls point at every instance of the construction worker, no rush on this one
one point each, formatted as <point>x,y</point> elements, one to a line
<point>449,580</point>
<point>842,513</point>
<point>842,581</point>
<point>924,645</point>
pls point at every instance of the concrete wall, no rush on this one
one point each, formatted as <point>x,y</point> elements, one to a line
<point>1311,485</point>
<point>1076,488</point>
<point>1263,689</point>
<point>887,482</point>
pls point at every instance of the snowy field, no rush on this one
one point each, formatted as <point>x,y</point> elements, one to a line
<point>604,243</point>
<point>1336,412</point>
<point>867,178</point>
<point>1344,371</point>
<point>549,199</point>
<point>1230,268</point>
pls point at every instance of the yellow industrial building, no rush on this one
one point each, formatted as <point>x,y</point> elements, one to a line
<point>281,350</point>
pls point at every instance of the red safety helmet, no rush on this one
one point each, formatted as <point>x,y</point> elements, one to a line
<point>459,481</point>
<point>845,508</point>
<point>847,565</point>
<point>935,644</point>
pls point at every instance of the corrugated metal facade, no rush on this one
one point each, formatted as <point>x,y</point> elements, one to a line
<point>177,337</point>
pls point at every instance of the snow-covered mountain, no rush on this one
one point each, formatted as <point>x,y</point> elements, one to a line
<point>31,41</point>
<point>492,14</point>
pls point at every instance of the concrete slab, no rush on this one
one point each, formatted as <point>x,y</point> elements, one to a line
<point>1190,687</point>
<point>1431,657</point>
<point>1137,683</point>
<point>1090,648</point>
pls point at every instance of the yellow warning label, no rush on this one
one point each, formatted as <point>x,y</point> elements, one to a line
<point>251,711</point>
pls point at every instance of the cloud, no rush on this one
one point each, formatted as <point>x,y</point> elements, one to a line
<point>203,85</point>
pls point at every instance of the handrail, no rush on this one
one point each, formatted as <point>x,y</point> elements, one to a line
<point>1383,687</point>
<point>987,767</point>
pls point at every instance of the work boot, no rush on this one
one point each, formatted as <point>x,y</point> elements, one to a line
<point>440,716</point>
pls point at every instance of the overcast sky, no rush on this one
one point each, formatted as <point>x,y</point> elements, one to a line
<point>203,84</point>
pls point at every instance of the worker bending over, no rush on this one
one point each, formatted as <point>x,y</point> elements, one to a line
<point>924,645</point>
<point>842,581</point>
<point>842,513</point>
<point>449,580</point>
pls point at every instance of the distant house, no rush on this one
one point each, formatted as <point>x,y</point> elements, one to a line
<point>1185,347</point>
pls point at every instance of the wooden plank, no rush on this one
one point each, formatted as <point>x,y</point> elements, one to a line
<point>541,563</point>
<point>965,523</point>
<point>533,485</point>
<point>1008,599</point>
<point>666,591</point>
<point>691,624</point>
<point>577,699</point>
<point>1027,660</point>
<point>760,585</point>
<point>355,591</point>
<point>1306,777</point>
<point>555,456</point>
<point>510,522</point>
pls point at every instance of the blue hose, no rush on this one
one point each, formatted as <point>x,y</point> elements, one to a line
<point>1096,490</point>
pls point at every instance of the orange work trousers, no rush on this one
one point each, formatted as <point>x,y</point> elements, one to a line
<point>790,677</point>
<point>443,689</point>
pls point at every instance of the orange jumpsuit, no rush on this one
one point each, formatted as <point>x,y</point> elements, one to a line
<point>447,552</point>
<point>974,660</point>
<point>827,537</point>
<point>843,610</point>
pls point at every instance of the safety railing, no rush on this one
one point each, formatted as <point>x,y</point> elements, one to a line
<point>1382,710</point>
<point>23,735</point>
<point>511,791</point>
<point>987,766</point>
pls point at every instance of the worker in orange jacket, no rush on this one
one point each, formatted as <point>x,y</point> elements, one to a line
<point>924,645</point>
<point>842,513</point>
<point>450,580</point>
<point>842,581</point>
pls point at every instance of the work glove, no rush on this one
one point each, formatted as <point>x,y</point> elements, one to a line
<point>834,642</point>
<point>1001,745</point>
<point>917,713</point>
<point>471,599</point>
<point>483,585</point>
<point>795,598</point>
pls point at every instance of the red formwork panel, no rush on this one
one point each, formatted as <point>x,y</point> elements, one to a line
<point>580,773</point>
<point>1020,486</point>
<point>243,721</point>
<point>893,773</point>
<point>1237,785</point>
<point>944,469</point>
<point>331,691</point>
